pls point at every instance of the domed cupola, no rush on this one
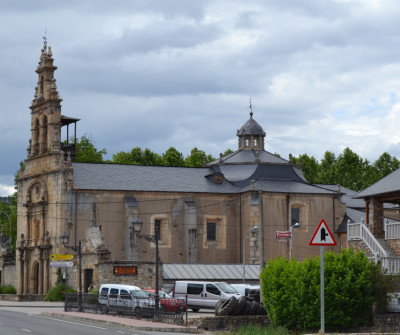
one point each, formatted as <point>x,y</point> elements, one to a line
<point>251,135</point>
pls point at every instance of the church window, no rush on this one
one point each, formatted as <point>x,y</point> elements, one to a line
<point>247,141</point>
<point>295,214</point>
<point>163,231</point>
<point>211,231</point>
<point>256,141</point>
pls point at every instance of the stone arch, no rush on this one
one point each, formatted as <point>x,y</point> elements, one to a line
<point>34,279</point>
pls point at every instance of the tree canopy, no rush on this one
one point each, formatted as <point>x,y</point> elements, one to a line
<point>347,169</point>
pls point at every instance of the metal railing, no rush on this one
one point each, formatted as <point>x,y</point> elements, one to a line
<point>170,310</point>
<point>357,231</point>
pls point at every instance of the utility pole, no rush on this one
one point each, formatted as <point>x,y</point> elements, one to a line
<point>261,232</point>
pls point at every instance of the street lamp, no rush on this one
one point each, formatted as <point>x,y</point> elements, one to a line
<point>64,237</point>
<point>294,225</point>
<point>9,245</point>
<point>137,227</point>
<point>244,253</point>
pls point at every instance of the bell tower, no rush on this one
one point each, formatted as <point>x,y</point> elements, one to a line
<point>251,135</point>
<point>44,184</point>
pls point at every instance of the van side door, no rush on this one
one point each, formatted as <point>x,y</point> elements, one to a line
<point>195,294</point>
<point>125,299</point>
<point>113,296</point>
<point>212,295</point>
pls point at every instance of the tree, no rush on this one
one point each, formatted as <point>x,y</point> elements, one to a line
<point>172,157</point>
<point>196,158</point>
<point>385,165</point>
<point>8,209</point>
<point>328,169</point>
<point>227,152</point>
<point>86,152</point>
<point>310,168</point>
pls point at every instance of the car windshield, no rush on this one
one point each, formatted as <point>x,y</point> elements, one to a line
<point>139,294</point>
<point>226,288</point>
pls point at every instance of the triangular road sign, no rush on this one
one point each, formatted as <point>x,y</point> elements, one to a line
<point>322,235</point>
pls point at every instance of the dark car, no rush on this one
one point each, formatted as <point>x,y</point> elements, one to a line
<point>167,303</point>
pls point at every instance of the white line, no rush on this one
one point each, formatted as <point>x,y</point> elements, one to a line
<point>26,330</point>
<point>121,332</point>
<point>73,323</point>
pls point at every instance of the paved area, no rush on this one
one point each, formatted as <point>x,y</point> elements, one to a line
<point>56,310</point>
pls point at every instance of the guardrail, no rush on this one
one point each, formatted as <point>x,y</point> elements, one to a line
<point>357,231</point>
<point>170,311</point>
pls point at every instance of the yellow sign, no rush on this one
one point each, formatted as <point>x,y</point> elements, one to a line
<point>61,257</point>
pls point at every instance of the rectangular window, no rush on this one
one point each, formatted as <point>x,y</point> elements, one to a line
<point>195,288</point>
<point>211,231</point>
<point>295,215</point>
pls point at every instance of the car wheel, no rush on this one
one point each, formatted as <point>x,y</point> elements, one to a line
<point>103,309</point>
<point>195,309</point>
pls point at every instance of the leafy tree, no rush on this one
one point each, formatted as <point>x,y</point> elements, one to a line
<point>8,209</point>
<point>86,152</point>
<point>196,157</point>
<point>172,157</point>
<point>328,169</point>
<point>310,168</point>
<point>385,165</point>
<point>227,152</point>
<point>353,284</point>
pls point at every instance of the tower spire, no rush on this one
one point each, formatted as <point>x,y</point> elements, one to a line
<point>251,108</point>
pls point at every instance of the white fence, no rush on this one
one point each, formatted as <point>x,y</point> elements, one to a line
<point>359,231</point>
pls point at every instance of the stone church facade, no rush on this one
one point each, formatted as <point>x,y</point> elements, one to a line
<point>204,214</point>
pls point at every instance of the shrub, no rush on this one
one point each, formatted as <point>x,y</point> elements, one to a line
<point>9,289</point>
<point>56,293</point>
<point>255,330</point>
<point>291,290</point>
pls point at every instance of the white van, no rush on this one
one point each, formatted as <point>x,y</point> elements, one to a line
<point>202,294</point>
<point>124,298</point>
<point>243,289</point>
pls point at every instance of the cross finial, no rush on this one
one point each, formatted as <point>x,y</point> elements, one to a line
<point>45,37</point>
<point>251,108</point>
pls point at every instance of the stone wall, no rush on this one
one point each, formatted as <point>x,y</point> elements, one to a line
<point>9,274</point>
<point>228,322</point>
<point>145,277</point>
<point>394,245</point>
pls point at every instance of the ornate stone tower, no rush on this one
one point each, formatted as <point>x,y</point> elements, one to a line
<point>44,185</point>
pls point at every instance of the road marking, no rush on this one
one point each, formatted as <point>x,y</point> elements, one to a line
<point>121,332</point>
<point>26,330</point>
<point>73,323</point>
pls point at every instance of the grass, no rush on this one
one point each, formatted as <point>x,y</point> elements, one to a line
<point>257,330</point>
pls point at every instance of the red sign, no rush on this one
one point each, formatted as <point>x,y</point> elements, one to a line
<point>322,235</point>
<point>283,234</point>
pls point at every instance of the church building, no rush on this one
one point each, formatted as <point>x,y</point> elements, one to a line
<point>201,215</point>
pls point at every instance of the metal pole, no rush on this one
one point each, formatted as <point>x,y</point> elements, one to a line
<point>244,253</point>
<point>322,290</point>
<point>65,289</point>
<point>290,242</point>
<point>80,275</point>
<point>157,296</point>
<point>261,232</point>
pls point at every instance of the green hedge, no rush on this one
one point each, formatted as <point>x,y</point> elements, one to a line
<point>7,289</point>
<point>56,293</point>
<point>291,290</point>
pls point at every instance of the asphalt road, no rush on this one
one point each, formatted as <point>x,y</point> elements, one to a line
<point>17,323</point>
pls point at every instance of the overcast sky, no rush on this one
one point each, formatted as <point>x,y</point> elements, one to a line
<point>322,75</point>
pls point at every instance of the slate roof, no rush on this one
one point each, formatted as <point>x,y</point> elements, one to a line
<point>251,127</point>
<point>212,272</point>
<point>90,176</point>
<point>388,184</point>
<point>249,156</point>
<point>117,177</point>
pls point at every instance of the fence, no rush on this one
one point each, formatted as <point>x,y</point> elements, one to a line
<point>169,310</point>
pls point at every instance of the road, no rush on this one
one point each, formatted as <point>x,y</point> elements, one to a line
<point>30,322</point>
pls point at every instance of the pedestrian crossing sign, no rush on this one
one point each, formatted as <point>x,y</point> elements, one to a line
<point>322,235</point>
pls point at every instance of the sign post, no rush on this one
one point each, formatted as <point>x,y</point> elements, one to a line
<point>322,236</point>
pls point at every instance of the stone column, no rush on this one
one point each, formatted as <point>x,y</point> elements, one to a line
<point>376,217</point>
<point>26,273</point>
<point>46,272</point>
<point>40,274</point>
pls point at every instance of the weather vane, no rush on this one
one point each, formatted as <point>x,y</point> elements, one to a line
<point>45,37</point>
<point>251,107</point>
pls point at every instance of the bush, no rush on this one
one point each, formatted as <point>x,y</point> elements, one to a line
<point>255,330</point>
<point>56,293</point>
<point>291,290</point>
<point>7,289</point>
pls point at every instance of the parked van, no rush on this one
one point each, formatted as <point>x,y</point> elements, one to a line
<point>243,289</point>
<point>201,294</point>
<point>125,299</point>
